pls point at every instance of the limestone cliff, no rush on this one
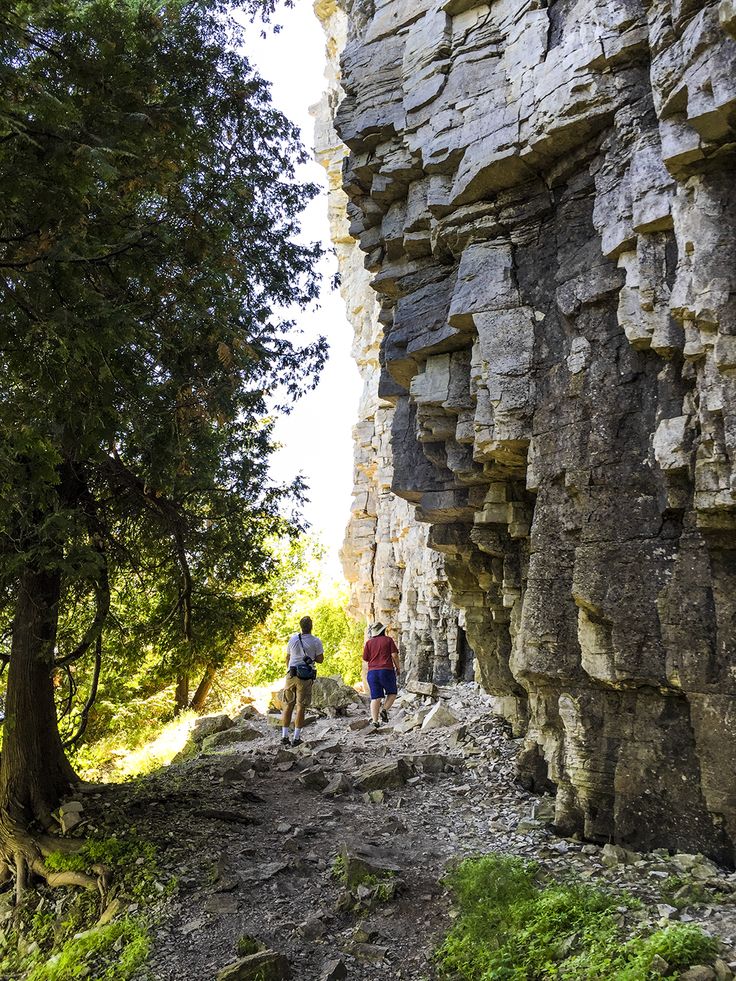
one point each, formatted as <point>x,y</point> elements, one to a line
<point>545,196</point>
<point>394,576</point>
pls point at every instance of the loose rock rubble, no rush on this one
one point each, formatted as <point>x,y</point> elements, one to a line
<point>331,855</point>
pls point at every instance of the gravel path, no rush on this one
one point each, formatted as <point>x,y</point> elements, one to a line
<point>252,839</point>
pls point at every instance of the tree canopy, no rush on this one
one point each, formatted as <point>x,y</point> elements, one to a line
<point>149,211</point>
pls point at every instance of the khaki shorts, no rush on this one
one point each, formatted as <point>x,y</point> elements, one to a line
<point>297,691</point>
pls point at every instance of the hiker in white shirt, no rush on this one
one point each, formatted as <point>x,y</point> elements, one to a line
<point>303,651</point>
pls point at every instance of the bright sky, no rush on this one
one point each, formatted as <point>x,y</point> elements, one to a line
<point>317,436</point>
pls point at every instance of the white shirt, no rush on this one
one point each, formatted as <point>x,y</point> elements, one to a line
<point>312,646</point>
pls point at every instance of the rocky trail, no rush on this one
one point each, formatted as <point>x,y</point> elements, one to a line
<point>331,855</point>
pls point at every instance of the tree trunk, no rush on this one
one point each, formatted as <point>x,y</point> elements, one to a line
<point>182,692</point>
<point>203,689</point>
<point>34,771</point>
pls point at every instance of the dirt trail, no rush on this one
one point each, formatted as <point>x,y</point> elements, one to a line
<point>252,838</point>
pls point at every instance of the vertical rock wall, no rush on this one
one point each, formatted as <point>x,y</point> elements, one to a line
<point>545,196</point>
<point>394,576</point>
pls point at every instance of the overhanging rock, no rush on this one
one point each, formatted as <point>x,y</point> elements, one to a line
<point>545,203</point>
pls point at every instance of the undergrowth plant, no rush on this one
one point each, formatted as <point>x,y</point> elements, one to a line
<point>512,926</point>
<point>60,939</point>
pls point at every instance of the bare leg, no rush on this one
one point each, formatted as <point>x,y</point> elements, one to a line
<point>388,702</point>
<point>286,714</point>
<point>299,721</point>
<point>375,708</point>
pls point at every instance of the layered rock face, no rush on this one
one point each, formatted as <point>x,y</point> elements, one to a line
<point>545,194</point>
<point>395,577</point>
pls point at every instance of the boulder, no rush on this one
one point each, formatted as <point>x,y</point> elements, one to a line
<point>210,724</point>
<point>266,965</point>
<point>429,762</point>
<point>439,717</point>
<point>236,734</point>
<point>378,776</point>
<point>699,972</point>
<point>425,688</point>
<point>614,855</point>
<point>331,692</point>
<point>314,778</point>
<point>362,862</point>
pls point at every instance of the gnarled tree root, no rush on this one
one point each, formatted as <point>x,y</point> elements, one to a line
<point>25,854</point>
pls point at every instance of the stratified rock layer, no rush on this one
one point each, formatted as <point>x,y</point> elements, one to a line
<point>545,197</point>
<point>395,577</point>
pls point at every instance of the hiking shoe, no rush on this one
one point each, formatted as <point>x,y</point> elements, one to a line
<point>285,741</point>
<point>376,725</point>
<point>296,742</point>
<point>384,715</point>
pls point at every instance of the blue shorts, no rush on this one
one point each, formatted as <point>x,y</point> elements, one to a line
<point>382,682</point>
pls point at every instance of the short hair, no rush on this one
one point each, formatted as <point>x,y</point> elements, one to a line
<point>306,624</point>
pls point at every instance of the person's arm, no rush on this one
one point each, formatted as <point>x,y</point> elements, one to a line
<point>364,671</point>
<point>319,658</point>
<point>395,659</point>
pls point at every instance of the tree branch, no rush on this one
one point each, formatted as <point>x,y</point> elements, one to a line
<point>84,717</point>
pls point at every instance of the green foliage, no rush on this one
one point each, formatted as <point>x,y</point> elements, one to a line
<point>338,870</point>
<point>69,944</point>
<point>149,212</point>
<point>110,953</point>
<point>512,926</point>
<point>301,592</point>
<point>681,945</point>
<point>132,859</point>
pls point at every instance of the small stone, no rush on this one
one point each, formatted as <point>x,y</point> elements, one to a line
<point>221,904</point>
<point>439,717</point>
<point>613,855</point>
<point>264,966</point>
<point>314,778</point>
<point>590,850</point>
<point>378,776</point>
<point>70,815</point>
<point>339,784</point>
<point>334,971</point>
<point>666,911</point>
<point>659,966</point>
<point>699,972</point>
<point>356,725</point>
<point>361,863</point>
<point>313,928</point>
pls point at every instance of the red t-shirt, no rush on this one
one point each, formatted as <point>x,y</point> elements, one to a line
<point>377,652</point>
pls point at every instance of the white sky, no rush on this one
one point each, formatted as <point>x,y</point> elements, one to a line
<point>317,436</point>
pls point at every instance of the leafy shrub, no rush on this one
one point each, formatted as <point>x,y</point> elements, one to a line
<point>513,927</point>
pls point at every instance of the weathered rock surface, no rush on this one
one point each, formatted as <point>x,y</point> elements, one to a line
<point>544,197</point>
<point>264,966</point>
<point>395,577</point>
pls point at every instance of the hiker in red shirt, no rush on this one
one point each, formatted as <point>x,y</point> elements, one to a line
<point>381,672</point>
